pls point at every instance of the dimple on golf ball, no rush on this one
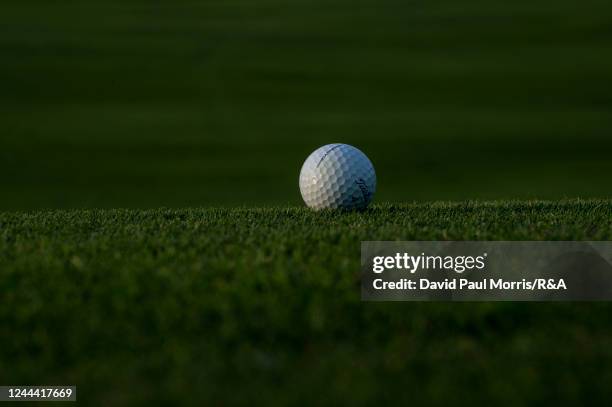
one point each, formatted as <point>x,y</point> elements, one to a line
<point>337,176</point>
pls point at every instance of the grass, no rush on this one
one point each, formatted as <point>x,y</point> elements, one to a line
<point>145,104</point>
<point>262,305</point>
<point>138,104</point>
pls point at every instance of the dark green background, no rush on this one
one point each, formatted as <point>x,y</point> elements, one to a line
<point>184,103</point>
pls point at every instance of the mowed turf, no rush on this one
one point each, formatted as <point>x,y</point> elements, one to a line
<point>144,104</point>
<point>228,306</point>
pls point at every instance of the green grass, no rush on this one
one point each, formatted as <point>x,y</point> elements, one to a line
<point>145,104</point>
<point>229,306</point>
<point>140,104</point>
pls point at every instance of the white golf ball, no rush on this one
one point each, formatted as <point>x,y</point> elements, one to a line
<point>337,176</point>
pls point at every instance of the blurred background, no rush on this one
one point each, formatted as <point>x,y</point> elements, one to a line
<point>138,103</point>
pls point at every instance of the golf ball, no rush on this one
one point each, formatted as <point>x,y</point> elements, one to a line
<point>337,176</point>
